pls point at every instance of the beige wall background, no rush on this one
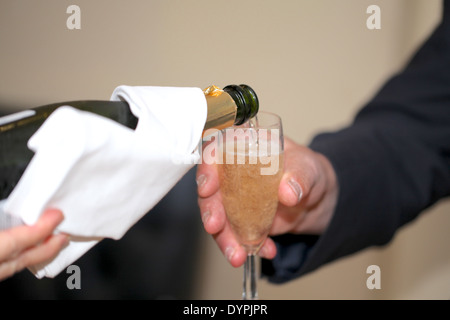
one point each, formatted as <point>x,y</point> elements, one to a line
<point>313,62</point>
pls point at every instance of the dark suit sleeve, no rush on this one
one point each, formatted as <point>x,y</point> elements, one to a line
<point>392,163</point>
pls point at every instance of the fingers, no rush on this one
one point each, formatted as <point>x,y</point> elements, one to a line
<point>215,223</point>
<point>234,252</point>
<point>28,245</point>
<point>35,255</point>
<point>15,240</point>
<point>307,192</point>
<point>300,174</point>
<point>207,180</point>
<point>212,213</point>
<point>214,217</point>
<point>268,249</point>
<point>231,249</point>
<point>44,252</point>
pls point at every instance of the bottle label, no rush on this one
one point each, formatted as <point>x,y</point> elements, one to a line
<point>16,116</point>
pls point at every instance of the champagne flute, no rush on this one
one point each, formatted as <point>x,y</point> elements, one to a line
<point>250,174</point>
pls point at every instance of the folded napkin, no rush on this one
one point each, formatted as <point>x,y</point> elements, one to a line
<point>103,175</point>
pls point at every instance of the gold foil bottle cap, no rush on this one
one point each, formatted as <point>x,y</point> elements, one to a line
<point>213,91</point>
<point>221,108</point>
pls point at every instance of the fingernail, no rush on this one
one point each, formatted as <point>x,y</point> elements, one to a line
<point>296,188</point>
<point>205,217</point>
<point>201,179</point>
<point>229,253</point>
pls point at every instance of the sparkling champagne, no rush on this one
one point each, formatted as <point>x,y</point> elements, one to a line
<point>250,197</point>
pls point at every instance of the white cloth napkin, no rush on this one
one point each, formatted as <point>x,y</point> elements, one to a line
<point>103,175</point>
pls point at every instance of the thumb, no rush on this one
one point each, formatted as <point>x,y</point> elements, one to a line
<point>290,192</point>
<point>300,174</point>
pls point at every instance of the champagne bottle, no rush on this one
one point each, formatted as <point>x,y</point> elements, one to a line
<point>234,104</point>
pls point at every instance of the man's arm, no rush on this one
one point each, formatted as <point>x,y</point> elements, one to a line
<point>391,163</point>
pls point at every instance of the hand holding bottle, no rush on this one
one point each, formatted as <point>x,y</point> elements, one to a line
<point>307,198</point>
<point>24,246</point>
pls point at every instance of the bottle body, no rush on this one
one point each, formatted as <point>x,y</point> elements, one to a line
<point>224,110</point>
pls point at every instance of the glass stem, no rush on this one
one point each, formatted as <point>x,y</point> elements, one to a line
<point>249,287</point>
